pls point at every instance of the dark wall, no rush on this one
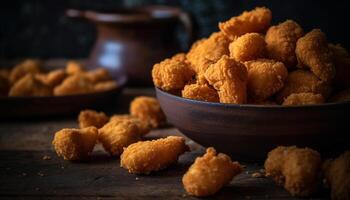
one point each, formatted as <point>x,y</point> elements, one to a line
<point>38,28</point>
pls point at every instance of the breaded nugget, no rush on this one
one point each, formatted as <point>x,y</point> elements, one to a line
<point>341,96</point>
<point>257,20</point>
<point>172,74</point>
<point>143,126</point>
<point>312,51</point>
<point>74,84</point>
<point>92,118</point>
<point>209,173</point>
<point>29,86</point>
<point>52,78</point>
<point>117,134</point>
<point>105,86</point>
<point>229,78</point>
<point>28,66</point>
<point>147,109</point>
<point>342,65</point>
<point>298,169</point>
<point>250,46</point>
<point>281,41</point>
<point>265,78</point>
<point>305,98</point>
<point>201,92</point>
<point>98,75</point>
<point>75,144</point>
<point>147,156</point>
<point>336,173</point>
<point>300,81</point>
<point>74,67</point>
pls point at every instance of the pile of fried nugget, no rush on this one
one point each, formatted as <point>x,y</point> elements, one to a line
<point>28,79</point>
<point>251,62</point>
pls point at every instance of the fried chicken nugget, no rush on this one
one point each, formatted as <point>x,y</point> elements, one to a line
<point>257,20</point>
<point>98,75</point>
<point>28,66</point>
<point>147,109</point>
<point>209,173</point>
<point>281,41</point>
<point>88,118</point>
<point>298,169</point>
<point>265,78</point>
<point>250,46</point>
<point>300,81</point>
<point>229,78</point>
<point>312,51</point>
<point>117,134</point>
<point>201,92</point>
<point>29,86</point>
<point>105,86</point>
<point>336,173</point>
<point>305,98</point>
<point>74,67</point>
<point>342,64</point>
<point>52,78</point>
<point>74,84</point>
<point>144,127</point>
<point>172,74</point>
<point>341,96</point>
<point>75,144</point>
<point>147,156</point>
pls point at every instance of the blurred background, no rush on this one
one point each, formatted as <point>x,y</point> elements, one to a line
<point>39,28</point>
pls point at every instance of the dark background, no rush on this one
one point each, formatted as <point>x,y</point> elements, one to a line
<point>38,28</point>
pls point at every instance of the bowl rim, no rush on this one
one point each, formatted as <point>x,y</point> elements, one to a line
<point>230,105</point>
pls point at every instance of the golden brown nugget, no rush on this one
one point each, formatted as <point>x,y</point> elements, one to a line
<point>105,86</point>
<point>300,81</point>
<point>201,92</point>
<point>257,20</point>
<point>117,134</point>
<point>297,169</point>
<point>341,96</point>
<point>29,86</point>
<point>209,173</point>
<point>52,78</point>
<point>75,84</point>
<point>250,46</point>
<point>147,156</point>
<point>98,75</point>
<point>143,126</point>
<point>74,67</point>
<point>306,98</point>
<point>28,66</point>
<point>172,74</point>
<point>312,51</point>
<point>92,118</point>
<point>281,41</point>
<point>265,78</point>
<point>75,144</point>
<point>229,78</point>
<point>342,65</point>
<point>147,109</point>
<point>336,173</point>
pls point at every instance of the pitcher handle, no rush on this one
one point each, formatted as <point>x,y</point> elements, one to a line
<point>186,21</point>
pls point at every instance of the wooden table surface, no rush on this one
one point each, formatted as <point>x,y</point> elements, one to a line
<point>26,174</point>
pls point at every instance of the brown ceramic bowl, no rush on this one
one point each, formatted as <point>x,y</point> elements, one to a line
<point>249,132</point>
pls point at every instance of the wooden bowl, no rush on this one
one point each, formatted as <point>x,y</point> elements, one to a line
<point>249,132</point>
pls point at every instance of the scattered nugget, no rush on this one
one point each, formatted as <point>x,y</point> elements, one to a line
<point>201,92</point>
<point>147,156</point>
<point>209,173</point>
<point>28,66</point>
<point>250,46</point>
<point>306,98</point>
<point>75,84</point>
<point>144,127</point>
<point>92,118</point>
<point>29,86</point>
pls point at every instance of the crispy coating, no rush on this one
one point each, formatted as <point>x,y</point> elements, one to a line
<point>147,156</point>
<point>342,65</point>
<point>305,98</point>
<point>75,84</point>
<point>92,118</point>
<point>336,173</point>
<point>28,66</point>
<point>201,92</point>
<point>147,109</point>
<point>312,51</point>
<point>75,144</point>
<point>117,134</point>
<point>300,81</point>
<point>98,75</point>
<point>341,96</point>
<point>52,78</point>
<point>229,78</point>
<point>249,46</point>
<point>281,41</point>
<point>209,173</point>
<point>105,86</point>
<point>74,67</point>
<point>295,168</point>
<point>265,78</point>
<point>172,74</point>
<point>29,86</point>
<point>257,20</point>
<point>143,126</point>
